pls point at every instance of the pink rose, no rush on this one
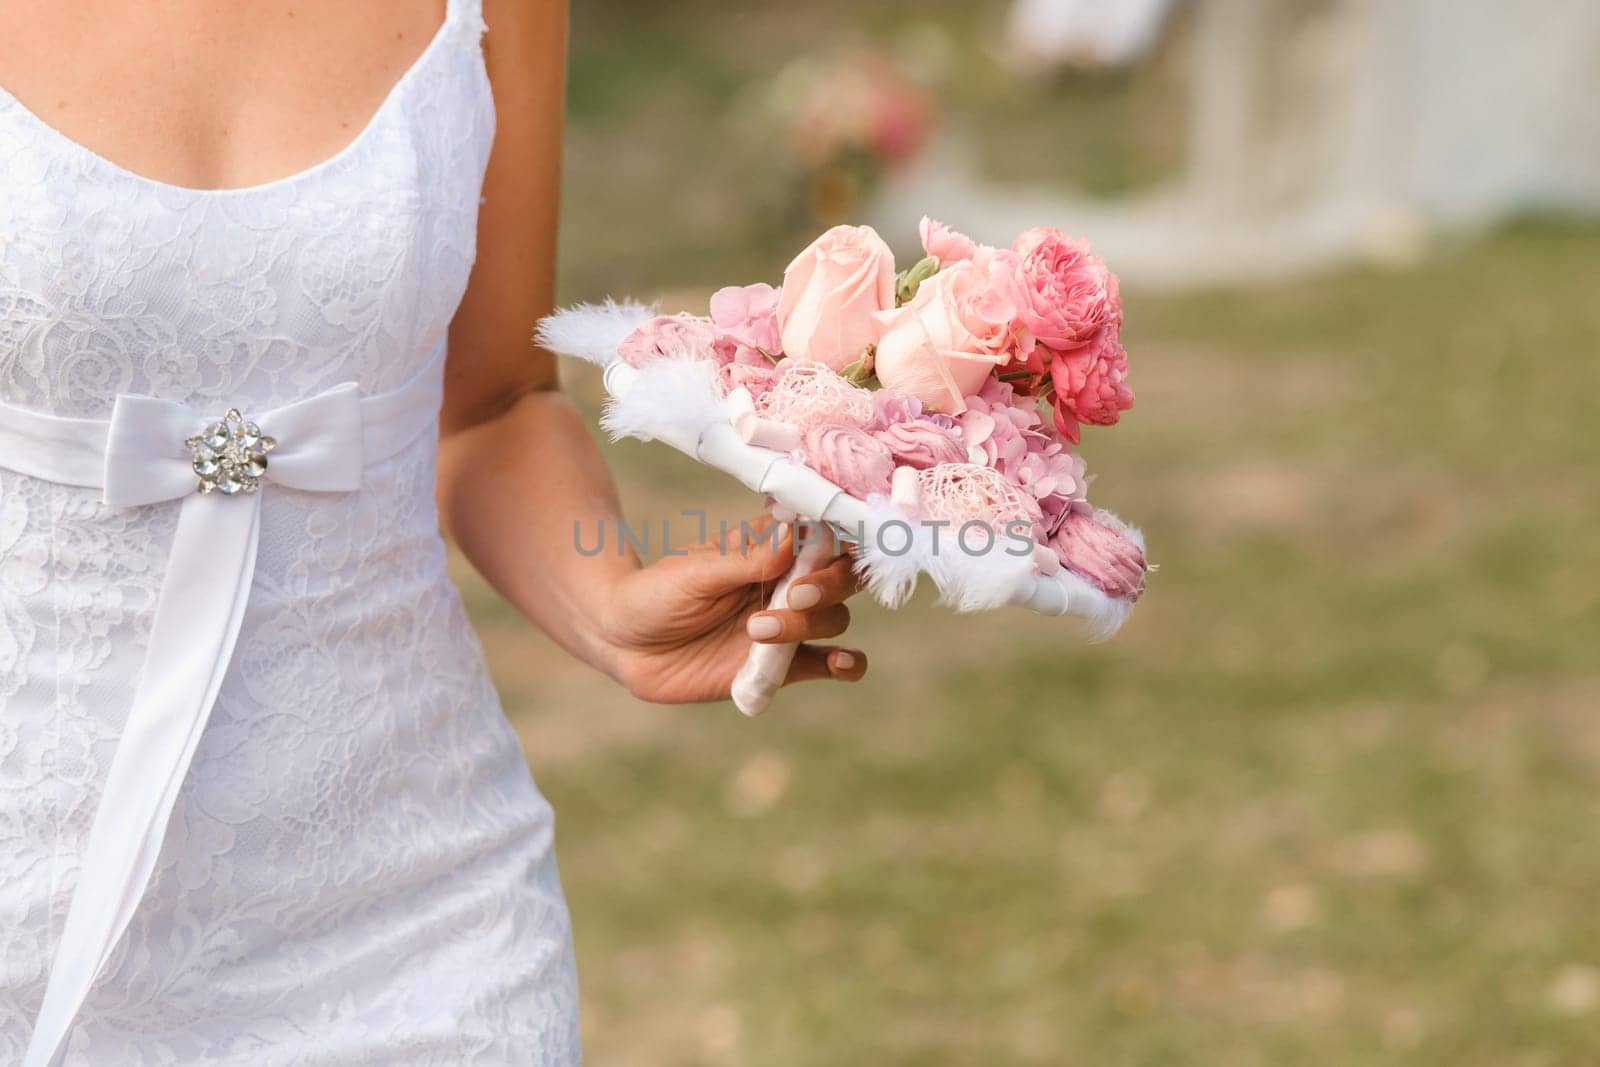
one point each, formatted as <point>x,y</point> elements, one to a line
<point>921,444</point>
<point>945,244</point>
<point>1089,385</point>
<point>830,293</point>
<point>1063,292</point>
<point>940,347</point>
<point>670,337</point>
<point>1099,549</point>
<point>852,459</point>
<point>748,315</point>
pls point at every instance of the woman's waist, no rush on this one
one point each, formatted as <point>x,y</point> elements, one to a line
<point>320,439</point>
<point>375,547</point>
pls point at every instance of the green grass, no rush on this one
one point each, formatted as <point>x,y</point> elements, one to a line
<point>1328,800</point>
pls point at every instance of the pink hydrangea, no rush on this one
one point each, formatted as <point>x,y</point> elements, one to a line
<point>1010,435</point>
<point>748,315</point>
<point>890,407</point>
<point>1064,293</point>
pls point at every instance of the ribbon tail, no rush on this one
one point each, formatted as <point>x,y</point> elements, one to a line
<point>197,620</point>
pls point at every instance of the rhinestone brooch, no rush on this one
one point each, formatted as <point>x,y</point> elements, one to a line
<point>230,455</point>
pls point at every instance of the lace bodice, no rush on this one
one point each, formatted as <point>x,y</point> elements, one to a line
<point>111,282</point>
<point>358,868</point>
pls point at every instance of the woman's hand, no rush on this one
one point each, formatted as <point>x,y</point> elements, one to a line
<point>681,627</point>
<point>671,632</point>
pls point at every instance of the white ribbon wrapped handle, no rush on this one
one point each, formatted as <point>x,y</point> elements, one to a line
<point>765,668</point>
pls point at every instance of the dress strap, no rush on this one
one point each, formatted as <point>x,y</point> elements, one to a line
<point>466,12</point>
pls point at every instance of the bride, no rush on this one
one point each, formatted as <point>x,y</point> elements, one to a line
<point>268,275</point>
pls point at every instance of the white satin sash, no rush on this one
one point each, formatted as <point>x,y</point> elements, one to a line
<point>139,457</point>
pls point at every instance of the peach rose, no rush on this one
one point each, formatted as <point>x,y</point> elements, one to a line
<point>940,347</point>
<point>830,293</point>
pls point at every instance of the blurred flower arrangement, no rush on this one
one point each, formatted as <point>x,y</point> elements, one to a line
<point>848,121</point>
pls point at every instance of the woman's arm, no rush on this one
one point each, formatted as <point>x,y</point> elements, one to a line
<point>517,467</point>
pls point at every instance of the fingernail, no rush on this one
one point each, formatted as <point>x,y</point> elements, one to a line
<point>804,597</point>
<point>843,661</point>
<point>763,627</point>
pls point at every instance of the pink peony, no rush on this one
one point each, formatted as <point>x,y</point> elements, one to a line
<point>1089,385</point>
<point>831,292</point>
<point>748,315</point>
<point>670,337</point>
<point>941,346</point>
<point>1064,294</point>
<point>852,459</point>
<point>1102,551</point>
<point>921,444</point>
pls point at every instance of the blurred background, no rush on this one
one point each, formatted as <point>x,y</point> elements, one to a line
<point>1331,796</point>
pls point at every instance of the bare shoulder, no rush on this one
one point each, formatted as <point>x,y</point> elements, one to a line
<point>523,34</point>
<point>512,286</point>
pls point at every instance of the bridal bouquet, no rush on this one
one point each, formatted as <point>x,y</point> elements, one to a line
<point>930,415</point>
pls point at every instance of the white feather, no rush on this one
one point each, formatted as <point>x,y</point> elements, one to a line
<point>890,574</point>
<point>972,581</point>
<point>592,332</point>
<point>670,400</point>
<point>1102,615</point>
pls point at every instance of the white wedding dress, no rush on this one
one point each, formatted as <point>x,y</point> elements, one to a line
<point>258,801</point>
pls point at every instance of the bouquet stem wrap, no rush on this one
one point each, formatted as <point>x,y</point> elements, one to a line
<point>765,668</point>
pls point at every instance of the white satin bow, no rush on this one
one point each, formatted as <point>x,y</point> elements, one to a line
<point>320,448</point>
